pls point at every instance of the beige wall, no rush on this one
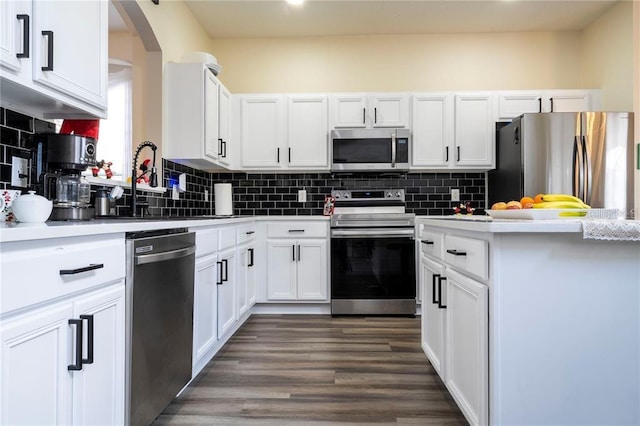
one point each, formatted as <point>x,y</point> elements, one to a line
<point>607,62</point>
<point>401,62</point>
<point>636,93</point>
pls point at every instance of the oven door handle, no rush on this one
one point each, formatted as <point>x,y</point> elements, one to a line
<point>372,233</point>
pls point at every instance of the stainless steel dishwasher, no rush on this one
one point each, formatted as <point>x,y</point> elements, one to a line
<point>159,306</point>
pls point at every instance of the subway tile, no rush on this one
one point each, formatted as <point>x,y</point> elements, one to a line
<point>18,121</point>
<point>41,126</point>
<point>9,136</point>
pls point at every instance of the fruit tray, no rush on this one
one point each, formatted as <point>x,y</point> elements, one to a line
<point>538,214</point>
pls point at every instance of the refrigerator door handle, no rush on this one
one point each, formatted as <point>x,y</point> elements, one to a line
<point>588,173</point>
<point>577,180</point>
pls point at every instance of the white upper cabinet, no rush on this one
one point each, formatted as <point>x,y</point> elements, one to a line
<point>261,131</point>
<point>307,132</point>
<point>474,131</point>
<point>514,103</point>
<point>198,117</point>
<point>54,57</point>
<point>375,110</point>
<point>432,125</point>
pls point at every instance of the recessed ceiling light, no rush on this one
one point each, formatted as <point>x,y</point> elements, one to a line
<point>295,2</point>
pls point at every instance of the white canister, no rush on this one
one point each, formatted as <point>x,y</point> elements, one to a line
<point>223,196</point>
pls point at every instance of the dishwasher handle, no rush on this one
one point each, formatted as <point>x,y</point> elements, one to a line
<point>142,259</point>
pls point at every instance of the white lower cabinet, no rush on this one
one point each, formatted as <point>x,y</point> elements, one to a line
<point>205,307</point>
<point>226,290</point>
<point>246,279</point>
<point>433,312</point>
<point>467,336</point>
<point>51,374</point>
<point>297,269</point>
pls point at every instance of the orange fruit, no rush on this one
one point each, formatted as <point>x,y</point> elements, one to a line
<point>499,206</point>
<point>514,205</point>
<point>526,200</point>
<point>538,198</point>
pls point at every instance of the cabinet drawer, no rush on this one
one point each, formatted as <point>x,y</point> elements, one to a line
<point>246,232</point>
<point>227,237</point>
<point>431,243</point>
<point>37,271</point>
<point>206,241</point>
<point>297,230</point>
<point>467,254</point>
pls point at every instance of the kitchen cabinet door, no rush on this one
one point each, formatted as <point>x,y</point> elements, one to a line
<point>226,291</point>
<point>433,315</point>
<point>224,126</point>
<point>566,101</point>
<point>244,268</point>
<point>467,354</point>
<point>211,128</point>
<point>98,389</point>
<point>261,132</point>
<point>15,20</point>
<point>312,267</point>
<point>281,269</point>
<point>389,111</point>
<point>36,350</point>
<point>432,130</point>
<point>350,111</point>
<point>307,132</point>
<point>513,104</point>
<point>70,48</point>
<point>205,308</point>
<point>474,131</point>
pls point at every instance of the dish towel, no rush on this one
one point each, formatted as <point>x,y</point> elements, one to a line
<point>615,230</point>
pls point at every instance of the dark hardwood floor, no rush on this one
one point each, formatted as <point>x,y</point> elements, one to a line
<point>315,369</point>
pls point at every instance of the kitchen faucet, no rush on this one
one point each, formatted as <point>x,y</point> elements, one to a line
<point>153,178</point>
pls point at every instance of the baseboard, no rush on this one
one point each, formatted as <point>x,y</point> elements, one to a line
<point>290,308</point>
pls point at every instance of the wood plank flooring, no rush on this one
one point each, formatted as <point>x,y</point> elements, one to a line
<point>318,370</point>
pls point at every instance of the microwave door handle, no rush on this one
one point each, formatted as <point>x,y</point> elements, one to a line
<point>393,150</point>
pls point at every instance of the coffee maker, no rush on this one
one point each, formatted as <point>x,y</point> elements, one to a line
<point>58,163</point>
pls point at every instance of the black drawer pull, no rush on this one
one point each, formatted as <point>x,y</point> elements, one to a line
<point>457,253</point>
<point>78,362</point>
<point>440,305</point>
<point>225,277</point>
<point>49,35</point>
<point>25,36</point>
<point>296,230</point>
<point>220,146</point>
<point>219,266</point>
<point>91,267</point>
<point>434,298</point>
<point>250,232</point>
<point>250,257</point>
<point>427,242</point>
<point>89,358</point>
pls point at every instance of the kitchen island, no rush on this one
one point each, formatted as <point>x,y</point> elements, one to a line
<point>527,322</point>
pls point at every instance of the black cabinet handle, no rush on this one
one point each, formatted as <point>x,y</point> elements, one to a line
<point>250,232</point>
<point>446,154</point>
<point>296,230</point>
<point>225,277</point>
<point>89,358</point>
<point>78,362</point>
<point>25,36</point>
<point>289,154</point>
<point>375,115</point>
<point>427,242</point>
<point>364,115</point>
<point>551,99</point>
<point>293,252</point>
<point>224,149</point>
<point>539,104</point>
<point>434,281</point>
<point>458,148</point>
<point>49,36</point>
<point>219,281</point>
<point>219,146</point>
<point>457,253</point>
<point>250,257</point>
<point>278,155</point>
<point>440,305</point>
<point>298,252</point>
<point>91,267</point>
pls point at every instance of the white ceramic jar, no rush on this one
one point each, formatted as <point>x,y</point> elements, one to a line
<point>32,208</point>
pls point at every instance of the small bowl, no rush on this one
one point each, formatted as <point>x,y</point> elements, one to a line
<point>32,208</point>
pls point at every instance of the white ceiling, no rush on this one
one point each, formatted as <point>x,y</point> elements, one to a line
<point>269,18</point>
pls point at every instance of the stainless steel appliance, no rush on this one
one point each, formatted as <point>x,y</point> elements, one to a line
<point>59,161</point>
<point>587,154</point>
<point>159,317</point>
<point>372,254</point>
<point>370,150</point>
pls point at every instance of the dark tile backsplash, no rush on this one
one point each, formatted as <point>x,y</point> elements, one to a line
<point>272,194</point>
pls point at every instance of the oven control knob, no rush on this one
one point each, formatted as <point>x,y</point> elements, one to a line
<point>398,194</point>
<point>347,195</point>
<point>338,195</point>
<point>389,194</point>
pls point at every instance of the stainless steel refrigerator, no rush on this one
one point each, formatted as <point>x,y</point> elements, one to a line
<point>587,154</point>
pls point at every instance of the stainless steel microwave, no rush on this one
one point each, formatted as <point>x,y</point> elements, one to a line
<point>370,150</point>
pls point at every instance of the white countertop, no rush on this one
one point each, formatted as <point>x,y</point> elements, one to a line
<point>12,231</point>
<point>487,224</point>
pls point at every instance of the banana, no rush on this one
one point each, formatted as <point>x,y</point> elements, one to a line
<point>561,197</point>
<point>560,205</point>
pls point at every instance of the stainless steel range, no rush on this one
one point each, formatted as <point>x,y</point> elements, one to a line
<point>372,254</point>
